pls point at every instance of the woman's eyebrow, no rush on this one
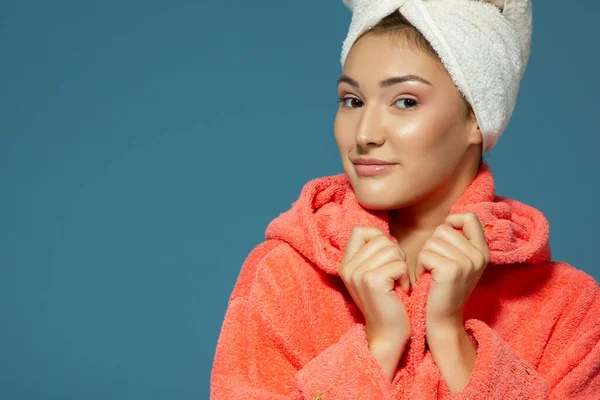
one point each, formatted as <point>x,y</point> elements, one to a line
<point>386,82</point>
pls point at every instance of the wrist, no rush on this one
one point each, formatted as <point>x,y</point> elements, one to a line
<point>388,347</point>
<point>446,332</point>
<point>388,354</point>
<point>454,353</point>
<point>387,337</point>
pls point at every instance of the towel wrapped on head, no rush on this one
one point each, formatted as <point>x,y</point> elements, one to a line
<point>484,46</point>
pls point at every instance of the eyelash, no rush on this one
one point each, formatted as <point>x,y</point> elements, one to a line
<point>342,100</point>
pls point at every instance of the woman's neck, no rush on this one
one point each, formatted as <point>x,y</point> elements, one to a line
<point>413,225</point>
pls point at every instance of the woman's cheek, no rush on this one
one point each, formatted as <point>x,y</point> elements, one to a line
<point>411,135</point>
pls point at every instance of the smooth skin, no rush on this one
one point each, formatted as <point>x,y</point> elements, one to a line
<point>371,266</point>
<point>399,104</point>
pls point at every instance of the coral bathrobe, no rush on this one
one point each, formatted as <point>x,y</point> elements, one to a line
<point>292,331</point>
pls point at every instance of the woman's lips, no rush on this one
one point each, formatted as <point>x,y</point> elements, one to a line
<point>372,169</point>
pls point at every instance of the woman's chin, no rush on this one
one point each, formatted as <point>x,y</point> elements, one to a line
<point>376,199</point>
<point>380,192</point>
<point>376,206</point>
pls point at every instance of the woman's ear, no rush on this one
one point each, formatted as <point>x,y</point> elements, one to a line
<point>474,132</point>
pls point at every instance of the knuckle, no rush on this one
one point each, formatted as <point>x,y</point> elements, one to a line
<point>400,266</point>
<point>469,263</point>
<point>431,243</point>
<point>356,231</point>
<point>422,256</point>
<point>369,229</point>
<point>392,252</point>
<point>371,279</point>
<point>454,270</point>
<point>486,253</point>
<point>440,229</point>
<point>344,275</point>
<point>354,278</point>
<point>380,239</point>
<point>485,258</point>
<point>434,240</point>
<point>479,260</point>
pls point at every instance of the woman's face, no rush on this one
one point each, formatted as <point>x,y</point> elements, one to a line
<point>399,105</point>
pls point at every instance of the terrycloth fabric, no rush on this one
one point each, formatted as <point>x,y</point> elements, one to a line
<point>484,46</point>
<point>292,330</point>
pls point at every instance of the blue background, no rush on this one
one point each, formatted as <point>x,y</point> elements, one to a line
<point>145,146</point>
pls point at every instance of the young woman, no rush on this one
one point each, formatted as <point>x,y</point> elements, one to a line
<point>407,277</point>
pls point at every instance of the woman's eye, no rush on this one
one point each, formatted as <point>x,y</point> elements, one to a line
<point>406,103</point>
<point>351,102</point>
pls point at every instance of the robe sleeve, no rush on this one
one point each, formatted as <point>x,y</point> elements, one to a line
<point>568,368</point>
<point>264,351</point>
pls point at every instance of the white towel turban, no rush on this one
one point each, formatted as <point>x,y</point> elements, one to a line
<point>484,46</point>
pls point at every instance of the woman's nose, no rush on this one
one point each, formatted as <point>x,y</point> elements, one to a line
<point>370,130</point>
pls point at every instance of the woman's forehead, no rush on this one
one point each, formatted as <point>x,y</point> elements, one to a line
<point>375,58</point>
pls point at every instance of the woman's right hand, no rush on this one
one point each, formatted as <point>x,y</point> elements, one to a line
<point>371,265</point>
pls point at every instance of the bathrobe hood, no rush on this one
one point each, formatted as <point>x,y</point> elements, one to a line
<point>321,220</point>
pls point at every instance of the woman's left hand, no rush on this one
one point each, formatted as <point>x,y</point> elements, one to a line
<point>456,261</point>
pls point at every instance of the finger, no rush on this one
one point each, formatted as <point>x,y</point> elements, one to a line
<point>478,252</point>
<point>379,258</point>
<point>399,272</point>
<point>447,233</point>
<point>370,241</point>
<point>359,236</point>
<point>374,246</point>
<point>437,264</point>
<point>443,248</point>
<point>396,271</point>
<point>471,227</point>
